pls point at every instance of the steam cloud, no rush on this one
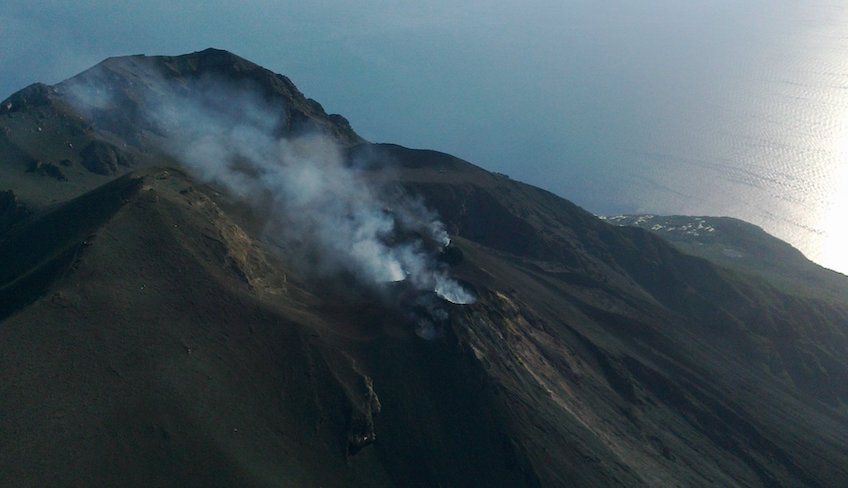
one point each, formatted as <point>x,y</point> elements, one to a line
<point>317,202</point>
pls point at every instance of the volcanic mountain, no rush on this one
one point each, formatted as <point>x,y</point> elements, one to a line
<point>168,319</point>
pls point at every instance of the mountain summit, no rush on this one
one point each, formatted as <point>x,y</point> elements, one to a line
<point>206,280</point>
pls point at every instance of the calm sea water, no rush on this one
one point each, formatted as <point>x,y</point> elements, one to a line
<point>753,125</point>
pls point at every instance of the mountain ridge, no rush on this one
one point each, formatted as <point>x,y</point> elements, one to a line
<point>594,354</point>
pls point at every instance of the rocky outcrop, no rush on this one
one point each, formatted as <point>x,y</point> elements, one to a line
<point>11,210</point>
<point>35,95</point>
<point>357,398</point>
<point>365,406</point>
<point>103,158</point>
<point>47,169</point>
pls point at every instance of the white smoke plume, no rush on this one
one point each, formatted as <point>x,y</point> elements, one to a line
<point>317,202</point>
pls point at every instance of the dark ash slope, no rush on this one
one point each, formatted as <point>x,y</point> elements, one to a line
<point>149,335</point>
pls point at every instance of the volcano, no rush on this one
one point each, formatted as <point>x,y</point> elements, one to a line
<point>177,310</point>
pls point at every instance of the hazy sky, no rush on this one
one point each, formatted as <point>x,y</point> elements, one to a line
<point>580,97</point>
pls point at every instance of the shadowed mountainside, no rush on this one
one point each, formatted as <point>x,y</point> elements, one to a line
<point>153,333</point>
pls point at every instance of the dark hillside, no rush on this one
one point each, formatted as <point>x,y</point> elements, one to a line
<point>156,329</point>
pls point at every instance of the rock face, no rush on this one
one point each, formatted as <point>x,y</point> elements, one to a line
<point>103,158</point>
<point>47,169</point>
<point>153,332</point>
<point>11,210</point>
<point>35,95</point>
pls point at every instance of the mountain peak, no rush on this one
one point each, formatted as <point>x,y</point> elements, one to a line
<point>135,78</point>
<point>218,315</point>
<point>196,61</point>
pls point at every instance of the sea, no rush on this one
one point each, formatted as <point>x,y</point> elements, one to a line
<point>770,145</point>
<point>742,112</point>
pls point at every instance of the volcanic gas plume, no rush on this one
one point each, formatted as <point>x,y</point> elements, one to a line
<point>318,203</point>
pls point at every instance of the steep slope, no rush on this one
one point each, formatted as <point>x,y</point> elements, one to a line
<point>175,350</point>
<point>733,356</point>
<point>153,330</point>
<point>148,357</point>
